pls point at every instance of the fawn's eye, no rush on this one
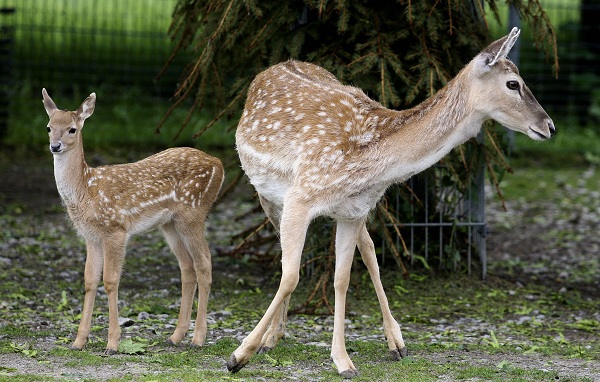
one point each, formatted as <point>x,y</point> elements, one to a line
<point>513,85</point>
<point>48,128</point>
<point>72,130</point>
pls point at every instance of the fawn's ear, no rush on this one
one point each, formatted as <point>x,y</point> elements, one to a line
<point>49,105</point>
<point>495,51</point>
<point>87,107</point>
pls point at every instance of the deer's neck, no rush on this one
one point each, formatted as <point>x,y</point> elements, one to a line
<point>70,173</point>
<point>419,137</point>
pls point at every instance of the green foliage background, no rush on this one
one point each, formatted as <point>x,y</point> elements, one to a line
<point>399,52</point>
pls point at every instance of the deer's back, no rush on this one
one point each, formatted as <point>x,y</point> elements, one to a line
<point>302,126</point>
<point>180,170</point>
<point>140,195</point>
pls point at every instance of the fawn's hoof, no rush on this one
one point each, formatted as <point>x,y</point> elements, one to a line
<point>109,352</point>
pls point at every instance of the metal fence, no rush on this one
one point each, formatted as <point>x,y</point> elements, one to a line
<point>571,99</point>
<point>443,226</point>
<point>66,44</point>
<point>7,32</point>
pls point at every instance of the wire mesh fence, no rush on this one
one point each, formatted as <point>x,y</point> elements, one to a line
<point>442,227</point>
<point>64,44</point>
<point>7,35</point>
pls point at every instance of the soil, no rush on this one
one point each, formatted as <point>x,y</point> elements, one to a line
<point>517,238</point>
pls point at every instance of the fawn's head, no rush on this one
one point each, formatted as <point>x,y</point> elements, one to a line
<point>64,127</point>
<point>502,94</point>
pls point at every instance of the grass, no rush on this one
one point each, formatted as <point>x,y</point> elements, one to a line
<point>421,303</point>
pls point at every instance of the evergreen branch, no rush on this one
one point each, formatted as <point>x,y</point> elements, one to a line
<point>388,238</point>
<point>221,114</point>
<point>499,152</point>
<point>218,30</point>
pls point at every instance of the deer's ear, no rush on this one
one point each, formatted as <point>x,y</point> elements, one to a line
<point>87,107</point>
<point>49,104</point>
<point>495,51</point>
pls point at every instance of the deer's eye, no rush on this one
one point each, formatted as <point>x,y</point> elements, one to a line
<point>72,130</point>
<point>512,85</point>
<point>48,128</point>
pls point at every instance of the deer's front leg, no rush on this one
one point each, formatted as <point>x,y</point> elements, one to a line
<point>390,325</point>
<point>345,244</point>
<point>294,223</point>
<point>114,252</point>
<point>92,273</point>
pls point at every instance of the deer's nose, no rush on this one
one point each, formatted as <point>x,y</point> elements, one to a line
<point>55,147</point>
<point>551,128</point>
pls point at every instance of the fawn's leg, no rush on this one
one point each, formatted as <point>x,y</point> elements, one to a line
<point>345,244</point>
<point>294,223</point>
<point>202,262</point>
<point>114,253</point>
<point>188,280</point>
<point>93,271</point>
<point>390,326</point>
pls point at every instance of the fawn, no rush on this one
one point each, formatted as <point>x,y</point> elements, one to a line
<point>173,190</point>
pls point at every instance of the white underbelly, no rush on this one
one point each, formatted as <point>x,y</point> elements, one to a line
<point>353,207</point>
<point>270,188</point>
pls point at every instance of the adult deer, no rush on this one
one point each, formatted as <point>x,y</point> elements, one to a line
<point>312,146</point>
<point>173,190</point>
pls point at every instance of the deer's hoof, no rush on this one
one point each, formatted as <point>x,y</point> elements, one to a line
<point>398,354</point>
<point>264,349</point>
<point>109,352</point>
<point>233,365</point>
<point>350,373</point>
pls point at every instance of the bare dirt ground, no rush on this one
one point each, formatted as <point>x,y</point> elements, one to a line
<point>559,249</point>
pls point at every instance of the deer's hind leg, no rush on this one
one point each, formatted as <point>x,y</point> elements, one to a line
<point>345,245</point>
<point>391,328</point>
<point>188,281</point>
<point>276,329</point>
<point>200,252</point>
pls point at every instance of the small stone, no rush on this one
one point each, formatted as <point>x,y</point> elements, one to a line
<point>125,322</point>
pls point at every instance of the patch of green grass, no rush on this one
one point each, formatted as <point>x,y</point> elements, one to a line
<point>557,183</point>
<point>573,149</point>
<point>502,373</point>
<point>28,378</point>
